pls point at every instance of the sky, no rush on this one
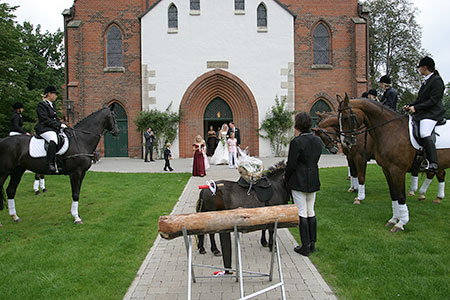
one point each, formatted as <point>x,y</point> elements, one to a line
<point>432,18</point>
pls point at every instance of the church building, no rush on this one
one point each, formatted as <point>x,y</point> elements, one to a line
<point>215,60</point>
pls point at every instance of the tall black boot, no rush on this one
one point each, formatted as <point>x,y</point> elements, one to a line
<point>51,152</point>
<point>305,249</point>
<point>430,150</point>
<point>312,232</point>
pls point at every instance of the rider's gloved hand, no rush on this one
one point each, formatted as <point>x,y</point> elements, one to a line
<point>63,126</point>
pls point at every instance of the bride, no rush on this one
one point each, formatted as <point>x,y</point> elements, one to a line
<point>220,156</point>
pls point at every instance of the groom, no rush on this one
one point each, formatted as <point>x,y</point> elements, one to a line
<point>237,133</point>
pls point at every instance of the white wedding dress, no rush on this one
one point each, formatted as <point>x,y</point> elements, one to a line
<point>220,156</point>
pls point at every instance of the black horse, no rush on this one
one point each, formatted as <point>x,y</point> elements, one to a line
<point>83,140</point>
<point>230,196</point>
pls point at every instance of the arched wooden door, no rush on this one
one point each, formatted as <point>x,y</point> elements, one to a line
<point>319,106</point>
<point>117,146</point>
<point>216,114</point>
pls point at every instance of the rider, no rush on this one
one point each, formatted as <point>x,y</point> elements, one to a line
<point>17,120</point>
<point>428,109</point>
<point>390,95</point>
<point>49,125</point>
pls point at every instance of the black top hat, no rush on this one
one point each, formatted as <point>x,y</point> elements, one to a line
<point>427,62</point>
<point>385,79</point>
<point>17,105</point>
<point>50,89</point>
<point>372,92</point>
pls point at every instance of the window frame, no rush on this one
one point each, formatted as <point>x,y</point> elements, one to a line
<point>261,28</point>
<point>109,54</point>
<point>316,62</point>
<point>170,28</point>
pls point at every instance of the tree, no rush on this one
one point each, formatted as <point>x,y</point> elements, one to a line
<point>277,125</point>
<point>163,123</point>
<point>446,101</point>
<point>394,43</point>
<point>29,62</point>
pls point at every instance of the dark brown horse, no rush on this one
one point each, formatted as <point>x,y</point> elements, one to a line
<point>393,150</point>
<point>83,140</point>
<point>231,195</point>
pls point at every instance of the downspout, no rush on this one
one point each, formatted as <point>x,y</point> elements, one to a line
<point>68,16</point>
<point>363,13</point>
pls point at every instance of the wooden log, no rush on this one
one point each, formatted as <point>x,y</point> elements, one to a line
<point>246,219</point>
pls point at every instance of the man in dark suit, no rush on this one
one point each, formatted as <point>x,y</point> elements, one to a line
<point>390,95</point>
<point>428,109</point>
<point>237,133</point>
<point>149,138</point>
<point>49,125</point>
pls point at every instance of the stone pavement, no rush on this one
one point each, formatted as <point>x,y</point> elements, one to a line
<point>163,274</point>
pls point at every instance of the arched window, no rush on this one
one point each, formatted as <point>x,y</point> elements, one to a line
<point>114,55</point>
<point>195,4</point>
<point>239,4</point>
<point>173,16</point>
<point>321,45</point>
<point>262,15</point>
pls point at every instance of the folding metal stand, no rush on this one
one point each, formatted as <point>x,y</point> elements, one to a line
<point>238,271</point>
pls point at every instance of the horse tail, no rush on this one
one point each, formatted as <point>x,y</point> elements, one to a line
<point>199,204</point>
<point>2,198</point>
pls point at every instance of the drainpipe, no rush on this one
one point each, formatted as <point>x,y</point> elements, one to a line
<point>363,12</point>
<point>68,16</point>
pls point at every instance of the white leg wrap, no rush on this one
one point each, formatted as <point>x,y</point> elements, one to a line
<point>361,192</point>
<point>36,185</point>
<point>42,183</point>
<point>349,174</point>
<point>355,183</point>
<point>424,187</point>
<point>12,207</point>
<point>404,214</point>
<point>414,183</point>
<point>74,210</point>
<point>441,190</point>
<point>395,213</point>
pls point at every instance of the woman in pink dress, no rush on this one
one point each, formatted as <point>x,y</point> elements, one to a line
<point>232,151</point>
<point>198,168</point>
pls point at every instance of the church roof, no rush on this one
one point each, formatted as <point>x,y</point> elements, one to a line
<point>284,6</point>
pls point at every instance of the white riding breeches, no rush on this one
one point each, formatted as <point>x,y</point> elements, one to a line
<point>305,203</point>
<point>426,127</point>
<point>50,136</point>
<point>11,133</point>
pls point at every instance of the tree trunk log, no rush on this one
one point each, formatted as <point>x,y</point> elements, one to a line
<point>246,219</point>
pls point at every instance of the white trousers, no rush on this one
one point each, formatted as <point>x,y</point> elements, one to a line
<point>305,203</point>
<point>232,157</point>
<point>11,133</point>
<point>426,127</point>
<point>50,136</point>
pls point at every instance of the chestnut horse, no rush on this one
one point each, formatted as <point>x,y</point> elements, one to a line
<point>393,149</point>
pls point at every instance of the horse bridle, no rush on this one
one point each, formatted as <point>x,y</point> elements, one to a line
<point>354,125</point>
<point>330,139</point>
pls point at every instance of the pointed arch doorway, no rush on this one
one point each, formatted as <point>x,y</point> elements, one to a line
<point>230,89</point>
<point>216,114</point>
<point>319,106</point>
<point>117,146</point>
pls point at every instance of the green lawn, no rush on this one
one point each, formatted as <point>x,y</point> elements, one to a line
<point>46,256</point>
<point>360,259</point>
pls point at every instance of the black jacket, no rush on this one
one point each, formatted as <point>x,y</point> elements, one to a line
<point>167,153</point>
<point>149,137</point>
<point>390,98</point>
<point>302,171</point>
<point>237,134</point>
<point>17,123</point>
<point>428,104</point>
<point>48,118</point>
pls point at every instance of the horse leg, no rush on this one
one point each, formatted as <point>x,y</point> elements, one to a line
<point>361,166</point>
<point>225,243</point>
<point>353,175</point>
<point>398,193</point>
<point>425,185</point>
<point>263,238</point>
<point>14,181</point>
<point>270,240</point>
<point>414,183</point>
<point>395,212</point>
<point>75,181</point>
<point>214,248</point>
<point>441,187</point>
<point>200,244</point>
<point>2,193</point>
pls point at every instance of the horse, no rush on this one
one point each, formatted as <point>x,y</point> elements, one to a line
<point>231,195</point>
<point>393,150</point>
<point>328,130</point>
<point>83,140</point>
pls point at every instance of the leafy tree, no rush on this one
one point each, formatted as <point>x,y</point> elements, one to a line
<point>446,100</point>
<point>163,123</point>
<point>277,125</point>
<point>30,60</point>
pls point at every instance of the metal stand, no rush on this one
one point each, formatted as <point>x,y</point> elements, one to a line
<point>239,272</point>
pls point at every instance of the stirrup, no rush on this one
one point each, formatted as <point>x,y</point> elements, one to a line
<point>424,165</point>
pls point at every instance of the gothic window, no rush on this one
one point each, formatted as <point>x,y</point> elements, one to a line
<point>239,4</point>
<point>114,56</point>
<point>262,15</point>
<point>321,45</point>
<point>195,4</point>
<point>173,16</point>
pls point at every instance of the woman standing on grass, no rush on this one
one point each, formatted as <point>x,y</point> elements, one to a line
<point>302,177</point>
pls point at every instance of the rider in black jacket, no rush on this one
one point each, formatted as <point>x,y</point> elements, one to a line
<point>17,120</point>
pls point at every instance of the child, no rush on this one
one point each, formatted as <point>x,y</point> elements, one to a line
<point>167,156</point>
<point>232,151</point>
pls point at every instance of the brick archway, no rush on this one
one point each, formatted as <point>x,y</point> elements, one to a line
<point>218,83</point>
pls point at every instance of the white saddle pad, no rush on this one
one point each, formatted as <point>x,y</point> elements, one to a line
<point>442,136</point>
<point>37,147</point>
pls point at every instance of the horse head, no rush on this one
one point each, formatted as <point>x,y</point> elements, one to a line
<point>327,130</point>
<point>349,122</point>
<point>111,122</point>
<point>275,175</point>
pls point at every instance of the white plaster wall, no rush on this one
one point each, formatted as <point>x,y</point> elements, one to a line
<point>217,34</point>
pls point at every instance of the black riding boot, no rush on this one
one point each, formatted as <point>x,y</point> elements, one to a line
<point>305,249</point>
<point>430,150</point>
<point>312,232</point>
<point>51,152</point>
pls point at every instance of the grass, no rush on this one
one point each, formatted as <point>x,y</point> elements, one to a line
<point>360,259</point>
<point>46,256</point>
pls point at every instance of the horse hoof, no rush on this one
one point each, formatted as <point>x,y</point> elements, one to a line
<point>348,178</point>
<point>217,253</point>
<point>264,244</point>
<point>270,248</point>
<point>202,251</point>
<point>1,225</point>
<point>437,200</point>
<point>350,190</point>
<point>78,222</point>
<point>389,224</point>
<point>396,229</point>
<point>357,201</point>
<point>411,193</point>
<point>17,219</point>
<point>421,198</point>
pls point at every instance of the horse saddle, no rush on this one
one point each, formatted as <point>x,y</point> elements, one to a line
<point>38,146</point>
<point>263,188</point>
<point>441,134</point>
